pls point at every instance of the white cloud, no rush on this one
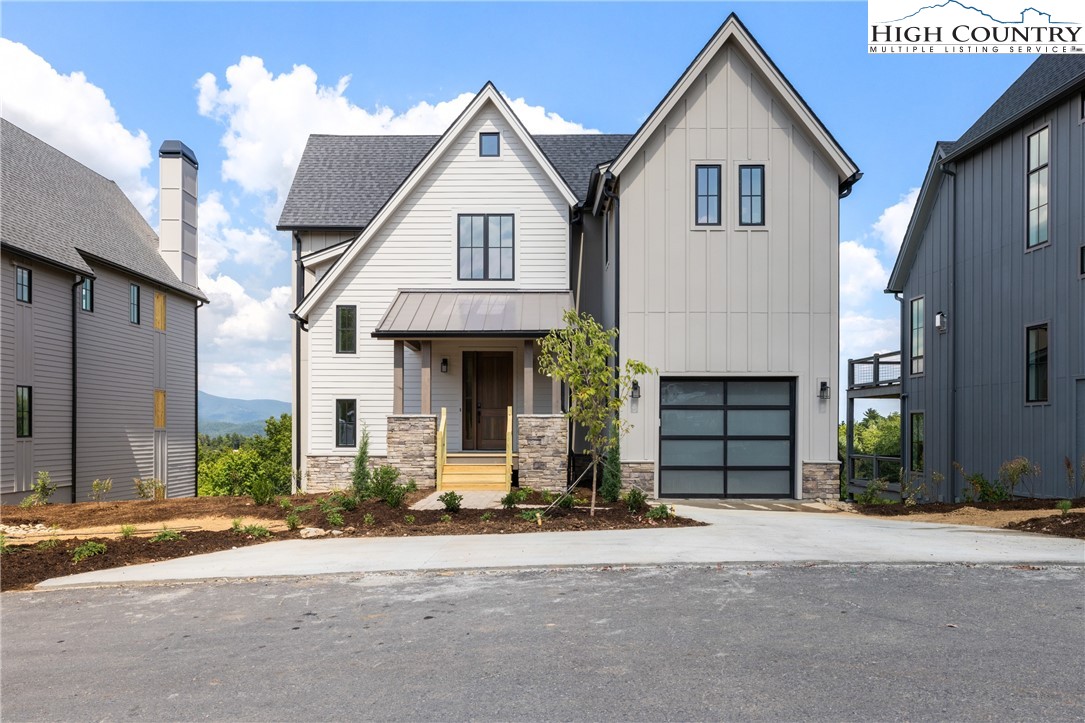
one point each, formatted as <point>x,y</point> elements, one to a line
<point>239,320</point>
<point>269,117</point>
<point>219,241</point>
<point>73,115</point>
<point>863,335</point>
<point>861,273</point>
<point>893,223</point>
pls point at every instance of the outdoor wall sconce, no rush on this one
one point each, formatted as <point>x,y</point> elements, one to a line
<point>635,393</point>
<point>824,392</point>
<point>444,365</point>
<point>941,322</point>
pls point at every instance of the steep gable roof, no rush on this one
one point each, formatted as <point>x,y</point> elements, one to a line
<point>56,209</point>
<point>734,31</point>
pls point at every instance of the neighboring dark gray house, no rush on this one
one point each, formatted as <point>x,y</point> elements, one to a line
<point>991,279</point>
<point>97,325</point>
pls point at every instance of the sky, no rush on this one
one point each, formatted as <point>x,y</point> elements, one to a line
<point>244,84</point>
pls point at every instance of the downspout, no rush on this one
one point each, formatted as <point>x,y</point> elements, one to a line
<point>196,395</point>
<point>952,336</point>
<point>75,376</point>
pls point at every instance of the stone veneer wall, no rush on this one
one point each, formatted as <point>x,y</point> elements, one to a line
<point>641,475</point>
<point>543,451</point>
<point>821,480</point>
<point>331,472</point>
<point>412,447</point>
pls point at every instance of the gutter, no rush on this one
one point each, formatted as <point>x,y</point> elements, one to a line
<point>75,376</point>
<point>847,184</point>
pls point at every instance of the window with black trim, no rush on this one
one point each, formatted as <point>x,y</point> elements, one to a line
<point>22,284</point>
<point>489,145</point>
<point>486,247</point>
<point>86,295</point>
<point>24,401</point>
<point>917,325</point>
<point>1038,177</point>
<point>1036,363</point>
<point>751,195</point>
<point>708,195</point>
<point>346,329</point>
<point>1081,261</point>
<point>1081,106</point>
<point>133,303</point>
<point>346,422</point>
<point>918,437</point>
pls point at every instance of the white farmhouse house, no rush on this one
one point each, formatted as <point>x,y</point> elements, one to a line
<point>427,269</point>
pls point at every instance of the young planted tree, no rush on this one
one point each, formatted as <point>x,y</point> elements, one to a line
<point>580,355</point>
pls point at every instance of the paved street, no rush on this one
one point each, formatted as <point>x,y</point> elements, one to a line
<point>742,641</point>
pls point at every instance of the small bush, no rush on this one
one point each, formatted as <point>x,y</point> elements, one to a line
<point>611,489</point>
<point>167,535</point>
<point>1065,506</point>
<point>127,531</point>
<point>262,490</point>
<point>515,497</point>
<point>409,519</point>
<point>334,518</point>
<point>235,524</point>
<point>531,515</point>
<point>872,494</point>
<point>99,488</point>
<point>293,522</point>
<point>256,531</point>
<point>48,544</point>
<point>567,501</point>
<point>659,512</point>
<point>5,548</point>
<point>369,520</point>
<point>87,549</point>
<point>285,504</point>
<point>343,500</point>
<point>150,489</point>
<point>487,516</point>
<point>362,475</point>
<point>451,501</point>
<point>1015,472</point>
<point>446,518</point>
<point>636,501</point>
<point>40,492</point>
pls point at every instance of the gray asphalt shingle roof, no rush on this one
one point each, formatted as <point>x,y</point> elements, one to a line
<point>57,209</point>
<point>342,181</point>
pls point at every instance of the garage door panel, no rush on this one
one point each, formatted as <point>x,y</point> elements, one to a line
<point>693,422</point>
<point>759,422</point>
<point>762,394</point>
<point>691,393</point>
<point>759,483</point>
<point>692,452</point>
<point>692,482</point>
<point>758,453</point>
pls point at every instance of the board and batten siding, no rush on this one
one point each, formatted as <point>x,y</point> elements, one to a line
<point>417,249</point>
<point>730,300</point>
<point>1001,289</point>
<point>36,351</point>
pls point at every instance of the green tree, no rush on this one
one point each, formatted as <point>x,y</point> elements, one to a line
<point>580,355</point>
<point>228,464</point>
<point>274,448</point>
<point>875,435</point>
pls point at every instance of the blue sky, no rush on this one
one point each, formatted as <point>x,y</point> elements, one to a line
<point>107,83</point>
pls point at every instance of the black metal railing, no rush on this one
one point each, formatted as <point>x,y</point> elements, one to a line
<point>879,370</point>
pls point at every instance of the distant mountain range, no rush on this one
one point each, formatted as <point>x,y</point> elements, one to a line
<point>222,415</point>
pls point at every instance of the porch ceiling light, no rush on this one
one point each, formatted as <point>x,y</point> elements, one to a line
<point>444,365</point>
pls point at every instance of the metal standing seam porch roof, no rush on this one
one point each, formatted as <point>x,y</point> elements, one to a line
<point>436,313</point>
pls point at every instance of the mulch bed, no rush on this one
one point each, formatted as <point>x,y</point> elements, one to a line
<point>896,509</point>
<point>1068,525</point>
<point>23,566</point>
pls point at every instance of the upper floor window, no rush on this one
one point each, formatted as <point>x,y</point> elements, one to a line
<point>751,195</point>
<point>917,335</point>
<point>1037,188</point>
<point>346,425</point>
<point>133,303</point>
<point>1036,363</point>
<point>22,284</point>
<point>23,411</point>
<point>486,247</point>
<point>345,330</point>
<point>708,195</point>
<point>489,144</point>
<point>86,295</point>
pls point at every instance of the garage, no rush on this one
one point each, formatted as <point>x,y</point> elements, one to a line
<point>727,437</point>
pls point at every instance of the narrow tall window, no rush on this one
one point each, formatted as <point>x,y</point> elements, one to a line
<point>159,311</point>
<point>22,284</point>
<point>708,196</point>
<point>346,424</point>
<point>486,247</point>
<point>751,195</point>
<point>86,295</point>
<point>24,400</point>
<point>1037,188</point>
<point>917,335</point>
<point>133,303</point>
<point>345,330</point>
<point>1036,364</point>
<point>917,441</point>
<point>159,408</point>
<point>489,144</point>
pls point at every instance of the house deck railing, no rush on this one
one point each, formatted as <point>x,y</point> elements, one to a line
<point>442,446</point>
<point>879,370</point>
<point>508,447</point>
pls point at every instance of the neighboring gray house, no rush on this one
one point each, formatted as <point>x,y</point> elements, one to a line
<point>427,268</point>
<point>991,279</point>
<point>97,325</point>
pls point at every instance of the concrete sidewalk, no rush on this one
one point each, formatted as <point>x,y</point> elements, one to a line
<point>746,536</point>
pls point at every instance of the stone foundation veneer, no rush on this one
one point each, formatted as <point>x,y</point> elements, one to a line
<point>821,480</point>
<point>412,447</point>
<point>641,475</point>
<point>324,473</point>
<point>543,451</point>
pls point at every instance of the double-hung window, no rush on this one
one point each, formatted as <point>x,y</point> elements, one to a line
<point>133,303</point>
<point>751,195</point>
<point>22,284</point>
<point>1036,363</point>
<point>708,195</point>
<point>86,295</point>
<point>345,330</point>
<point>917,335</point>
<point>346,424</point>
<point>1038,175</point>
<point>24,399</point>
<point>486,247</point>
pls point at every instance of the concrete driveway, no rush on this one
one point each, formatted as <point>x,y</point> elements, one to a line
<point>730,536</point>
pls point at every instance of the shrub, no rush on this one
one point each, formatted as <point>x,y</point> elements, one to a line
<point>409,519</point>
<point>4,546</point>
<point>872,495</point>
<point>235,524</point>
<point>1065,506</point>
<point>334,518</point>
<point>343,500</point>
<point>515,497</point>
<point>451,501</point>
<point>293,522</point>
<point>99,488</point>
<point>636,501</point>
<point>48,544</point>
<point>1014,472</point>
<point>567,501</point>
<point>446,518</point>
<point>262,490</point>
<point>87,549</point>
<point>361,476</point>
<point>286,504</point>
<point>369,520</point>
<point>659,512</point>
<point>40,492</point>
<point>487,516</point>
<point>532,515</point>
<point>256,531</point>
<point>383,478</point>
<point>611,489</point>
<point>167,535</point>
<point>152,489</point>
<point>127,531</point>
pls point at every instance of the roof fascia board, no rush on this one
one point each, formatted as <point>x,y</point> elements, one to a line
<point>928,193</point>
<point>733,29</point>
<point>488,93</point>
<point>310,227</point>
<point>175,288</point>
<point>327,254</point>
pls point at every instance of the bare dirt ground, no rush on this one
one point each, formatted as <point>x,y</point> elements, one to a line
<point>982,518</point>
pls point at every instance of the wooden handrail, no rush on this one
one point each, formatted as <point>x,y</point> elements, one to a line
<point>442,447</point>
<point>508,448</point>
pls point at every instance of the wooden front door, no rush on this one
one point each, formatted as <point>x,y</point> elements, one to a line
<point>487,395</point>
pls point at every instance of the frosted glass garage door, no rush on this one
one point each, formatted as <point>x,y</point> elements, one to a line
<point>727,437</point>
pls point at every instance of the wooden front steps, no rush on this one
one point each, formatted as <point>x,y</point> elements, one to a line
<point>475,472</point>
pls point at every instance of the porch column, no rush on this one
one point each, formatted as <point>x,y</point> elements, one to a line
<point>529,376</point>
<point>397,377</point>
<point>427,376</point>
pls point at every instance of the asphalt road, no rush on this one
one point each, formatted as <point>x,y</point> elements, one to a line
<point>741,642</point>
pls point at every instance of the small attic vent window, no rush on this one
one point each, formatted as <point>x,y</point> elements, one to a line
<point>489,144</point>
